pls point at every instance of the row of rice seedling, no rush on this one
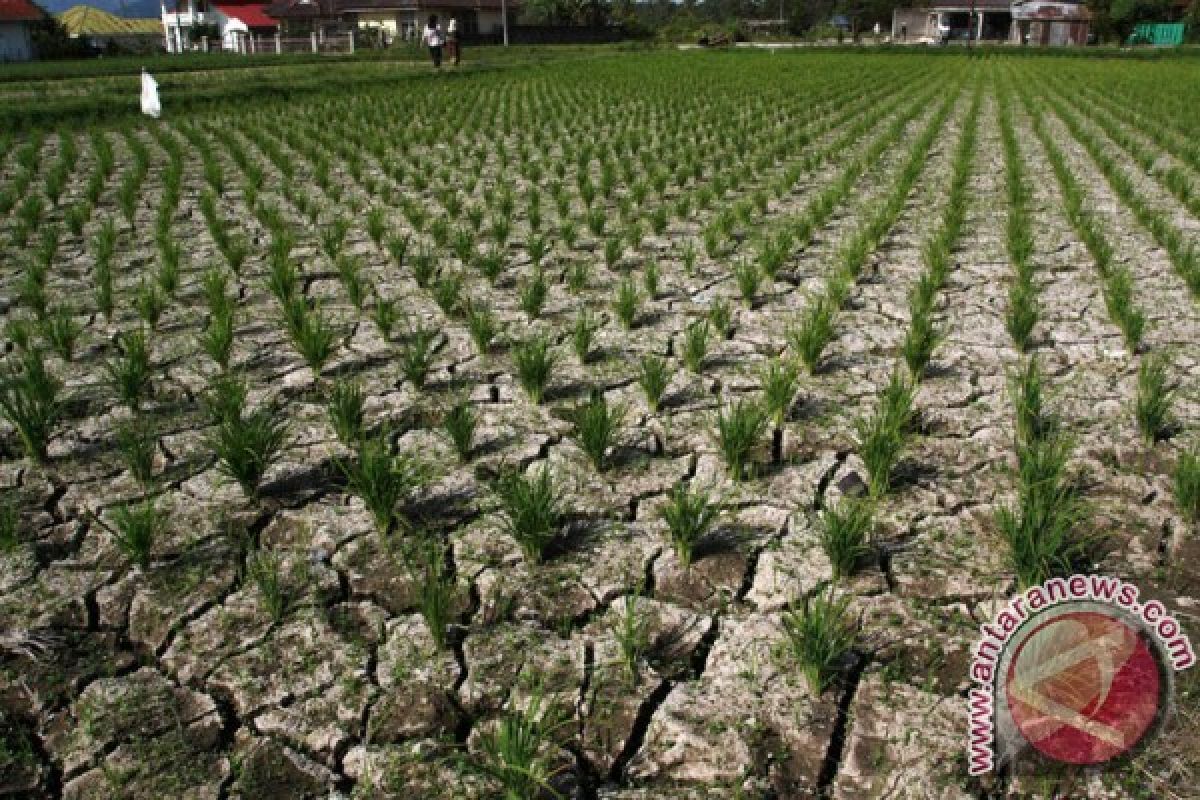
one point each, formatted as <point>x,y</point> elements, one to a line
<point>809,336</point>
<point>1117,280</point>
<point>1180,249</point>
<point>1154,398</point>
<point>1024,309</point>
<point>1129,132</point>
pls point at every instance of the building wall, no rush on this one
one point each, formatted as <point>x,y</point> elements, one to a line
<point>15,44</point>
<point>917,20</point>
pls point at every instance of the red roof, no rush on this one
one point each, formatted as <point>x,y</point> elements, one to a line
<point>19,11</point>
<point>250,13</point>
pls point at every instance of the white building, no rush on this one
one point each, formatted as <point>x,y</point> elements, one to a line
<point>195,25</point>
<point>16,19</point>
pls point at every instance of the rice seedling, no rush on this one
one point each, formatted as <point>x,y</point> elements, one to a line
<point>217,338</point>
<point>313,338</point>
<point>416,357</point>
<point>136,441</point>
<point>264,568</point>
<point>597,425</point>
<point>247,445</point>
<point>150,304</point>
<point>533,295</point>
<point>29,400</point>
<point>376,225</point>
<point>820,636</point>
<point>1185,481</point>
<point>749,279</point>
<point>385,315</point>
<point>10,523</point>
<point>136,527</point>
<point>1152,406</point>
<point>631,629</point>
<point>579,275</point>
<point>843,530</point>
<point>531,505</point>
<point>920,340</point>
<point>780,381</point>
<point>583,333</point>
<point>225,398</point>
<point>690,515</point>
<point>346,406</point>
<point>739,427</point>
<point>424,267</point>
<point>129,372</point>
<point>1033,421</point>
<point>61,330</point>
<point>397,247</point>
<point>612,252</point>
<point>381,478</point>
<point>695,344</point>
<point>515,754</point>
<point>483,328</point>
<point>350,273</point>
<point>653,377</point>
<point>809,337</point>
<point>720,314</point>
<point>627,303</point>
<point>651,275</point>
<point>169,257</point>
<point>1040,528</point>
<point>880,442</point>
<point>459,423</point>
<point>534,361</point>
<point>1022,313</point>
<point>438,591</point>
<point>447,293</point>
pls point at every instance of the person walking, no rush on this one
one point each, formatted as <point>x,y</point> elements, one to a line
<point>452,43</point>
<point>433,39</point>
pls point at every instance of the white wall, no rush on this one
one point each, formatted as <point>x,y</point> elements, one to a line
<point>14,42</point>
<point>489,21</point>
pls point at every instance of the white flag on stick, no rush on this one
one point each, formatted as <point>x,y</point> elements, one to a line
<point>150,105</point>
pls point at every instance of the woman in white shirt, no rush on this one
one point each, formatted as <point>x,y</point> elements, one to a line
<point>433,38</point>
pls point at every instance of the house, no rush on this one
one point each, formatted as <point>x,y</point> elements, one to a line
<point>104,31</point>
<point>17,18</point>
<point>207,25</point>
<point>1050,23</point>
<point>393,18</point>
<point>1042,22</point>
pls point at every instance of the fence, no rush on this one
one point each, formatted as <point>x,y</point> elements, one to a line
<point>252,45</point>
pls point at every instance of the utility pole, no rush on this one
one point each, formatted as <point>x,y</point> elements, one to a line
<point>504,19</point>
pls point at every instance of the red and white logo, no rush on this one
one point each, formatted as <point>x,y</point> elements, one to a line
<point>1083,687</point>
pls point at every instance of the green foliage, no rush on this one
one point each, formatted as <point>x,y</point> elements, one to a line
<point>689,515</point>
<point>843,530</point>
<point>809,337</point>
<point>780,381</point>
<point>596,427</point>
<point>381,478</point>
<point>739,427</point>
<point>129,372</point>
<point>1185,480</point>
<point>346,406</point>
<point>695,344</point>
<point>29,400</point>
<point>534,362</point>
<point>460,423</point>
<point>248,444</point>
<point>820,637</point>
<point>136,440</point>
<point>654,375</point>
<point>136,528</point>
<point>1152,406</point>
<point>532,509</point>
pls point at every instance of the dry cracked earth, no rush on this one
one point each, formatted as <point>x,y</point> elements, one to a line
<point>173,679</point>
